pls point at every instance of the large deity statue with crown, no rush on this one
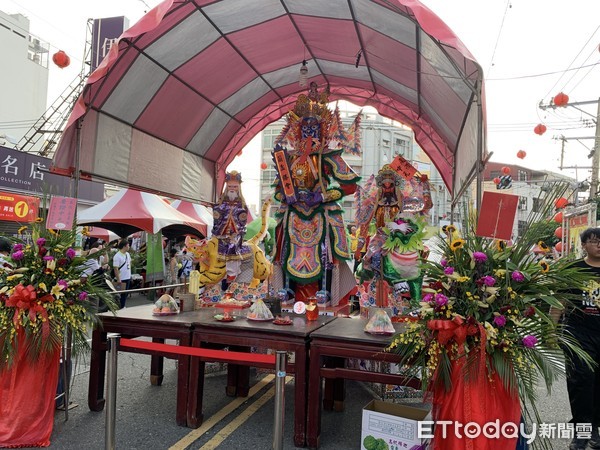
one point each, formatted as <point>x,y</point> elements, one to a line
<point>312,178</point>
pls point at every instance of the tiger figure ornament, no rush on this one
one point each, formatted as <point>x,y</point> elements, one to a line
<point>213,264</point>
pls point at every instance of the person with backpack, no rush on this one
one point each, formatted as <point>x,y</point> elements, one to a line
<point>122,268</point>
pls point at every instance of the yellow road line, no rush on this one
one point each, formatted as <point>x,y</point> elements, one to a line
<point>240,419</point>
<point>216,418</point>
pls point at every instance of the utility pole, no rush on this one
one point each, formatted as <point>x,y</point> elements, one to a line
<point>596,157</point>
<point>596,149</point>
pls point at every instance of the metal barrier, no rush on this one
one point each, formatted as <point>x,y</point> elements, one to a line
<point>115,341</point>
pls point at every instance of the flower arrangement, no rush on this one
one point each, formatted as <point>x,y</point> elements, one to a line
<point>487,303</point>
<point>42,294</point>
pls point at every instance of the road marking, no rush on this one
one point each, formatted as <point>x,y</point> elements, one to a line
<point>216,418</point>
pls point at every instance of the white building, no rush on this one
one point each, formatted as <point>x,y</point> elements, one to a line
<point>24,78</point>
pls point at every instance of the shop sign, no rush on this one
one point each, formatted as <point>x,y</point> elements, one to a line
<point>18,208</point>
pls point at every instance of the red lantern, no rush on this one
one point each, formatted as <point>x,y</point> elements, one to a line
<point>559,247</point>
<point>558,217</point>
<point>540,129</point>
<point>559,232</point>
<point>521,154</point>
<point>561,202</point>
<point>263,165</point>
<point>61,59</point>
<point>496,180</point>
<point>506,170</point>
<point>561,99</point>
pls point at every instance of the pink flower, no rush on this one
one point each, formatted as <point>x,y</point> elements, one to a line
<point>18,255</point>
<point>529,341</point>
<point>488,280</point>
<point>48,258</point>
<point>62,283</point>
<point>517,276</point>
<point>427,298</point>
<point>479,257</point>
<point>17,247</point>
<point>449,270</point>
<point>83,296</point>
<point>70,253</point>
<point>444,263</point>
<point>40,242</point>
<point>499,321</point>
<point>441,299</point>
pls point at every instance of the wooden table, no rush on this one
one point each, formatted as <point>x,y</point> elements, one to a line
<point>344,339</point>
<point>244,333</point>
<point>136,322</point>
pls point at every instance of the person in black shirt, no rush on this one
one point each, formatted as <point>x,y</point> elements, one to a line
<point>583,323</point>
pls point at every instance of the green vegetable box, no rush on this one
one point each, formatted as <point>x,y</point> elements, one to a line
<point>392,426</point>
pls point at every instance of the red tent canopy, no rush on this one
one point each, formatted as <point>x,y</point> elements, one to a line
<point>199,212</point>
<point>189,85</point>
<point>129,211</point>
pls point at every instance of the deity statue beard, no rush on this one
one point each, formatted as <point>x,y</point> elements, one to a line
<point>232,195</point>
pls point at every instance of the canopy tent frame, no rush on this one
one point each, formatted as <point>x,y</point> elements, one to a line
<point>110,121</point>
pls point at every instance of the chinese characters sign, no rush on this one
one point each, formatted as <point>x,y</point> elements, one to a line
<point>283,170</point>
<point>61,213</point>
<point>27,172</point>
<point>18,208</point>
<point>105,33</point>
<point>497,215</point>
<point>403,167</point>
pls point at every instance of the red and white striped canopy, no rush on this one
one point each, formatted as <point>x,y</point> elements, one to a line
<point>129,211</point>
<point>102,233</point>
<point>199,212</point>
<point>192,82</point>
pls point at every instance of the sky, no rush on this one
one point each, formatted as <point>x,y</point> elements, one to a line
<point>530,50</point>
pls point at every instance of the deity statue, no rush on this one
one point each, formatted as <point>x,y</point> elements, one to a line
<point>397,206</point>
<point>312,177</point>
<point>230,218</point>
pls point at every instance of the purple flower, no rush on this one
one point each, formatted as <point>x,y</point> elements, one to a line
<point>479,257</point>
<point>18,255</point>
<point>48,258</point>
<point>70,253</point>
<point>449,270</point>
<point>83,295</point>
<point>17,247</point>
<point>499,321</point>
<point>441,299</point>
<point>444,263</point>
<point>488,280</point>
<point>427,298</point>
<point>62,283</point>
<point>517,276</point>
<point>40,242</point>
<point>529,341</point>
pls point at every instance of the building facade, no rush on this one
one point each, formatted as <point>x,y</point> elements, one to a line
<point>24,78</point>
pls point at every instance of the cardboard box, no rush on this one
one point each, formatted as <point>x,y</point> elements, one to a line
<point>396,424</point>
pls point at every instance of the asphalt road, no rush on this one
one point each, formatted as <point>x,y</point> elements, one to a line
<point>146,413</point>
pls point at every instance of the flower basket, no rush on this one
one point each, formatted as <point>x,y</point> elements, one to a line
<point>42,294</point>
<point>482,340</point>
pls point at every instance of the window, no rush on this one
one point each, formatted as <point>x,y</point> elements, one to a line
<point>521,227</point>
<point>386,142</point>
<point>522,175</point>
<point>535,207</point>
<point>523,203</point>
<point>495,174</point>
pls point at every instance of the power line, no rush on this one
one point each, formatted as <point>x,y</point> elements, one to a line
<point>508,5</point>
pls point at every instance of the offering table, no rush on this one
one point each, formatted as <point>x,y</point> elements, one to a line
<point>140,322</point>
<point>345,339</point>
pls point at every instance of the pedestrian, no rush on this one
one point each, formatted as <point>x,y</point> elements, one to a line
<point>122,268</point>
<point>582,322</point>
<point>5,249</point>
<point>172,269</point>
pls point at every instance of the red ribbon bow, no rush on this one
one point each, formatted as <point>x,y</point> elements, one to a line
<point>449,329</point>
